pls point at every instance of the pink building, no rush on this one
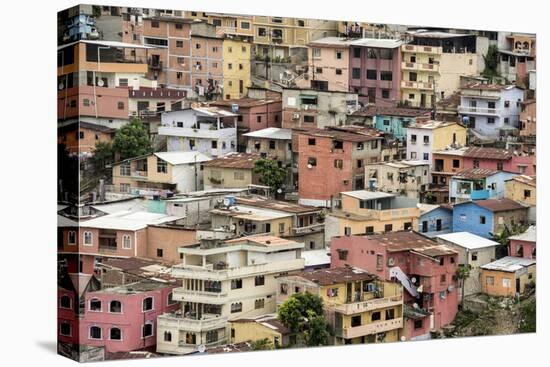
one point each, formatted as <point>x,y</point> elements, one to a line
<point>426,269</point>
<point>499,159</point>
<point>123,318</point>
<point>524,244</point>
<point>97,102</point>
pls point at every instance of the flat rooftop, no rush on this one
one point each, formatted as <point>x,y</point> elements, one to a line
<point>530,235</point>
<point>468,240</point>
<point>336,275</point>
<point>367,195</point>
<point>411,241</point>
<point>128,220</point>
<point>271,133</point>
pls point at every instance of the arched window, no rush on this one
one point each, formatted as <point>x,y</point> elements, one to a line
<point>71,238</point>
<point>95,305</point>
<point>190,338</point>
<point>525,45</point>
<point>95,332</point>
<point>65,329</point>
<point>115,306</point>
<point>115,334</point>
<point>65,301</point>
<point>517,45</point>
<point>88,238</point>
<point>236,307</point>
<point>167,336</point>
<point>147,304</point>
<point>520,250</point>
<point>147,330</point>
<point>126,242</point>
<point>211,336</point>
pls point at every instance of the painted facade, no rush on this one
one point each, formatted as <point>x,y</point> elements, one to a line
<point>425,138</point>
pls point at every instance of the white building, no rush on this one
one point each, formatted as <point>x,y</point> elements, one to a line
<point>222,282</point>
<point>408,178</point>
<point>473,251</point>
<point>491,110</point>
<point>209,130</point>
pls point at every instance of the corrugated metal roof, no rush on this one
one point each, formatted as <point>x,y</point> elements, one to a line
<point>235,160</point>
<point>530,235</point>
<point>176,158</point>
<point>271,133</point>
<point>509,264</point>
<point>368,195</point>
<point>468,240</point>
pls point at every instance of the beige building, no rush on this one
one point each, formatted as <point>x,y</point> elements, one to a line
<point>407,178</point>
<point>522,188</point>
<point>231,170</point>
<point>224,281</point>
<point>261,328</point>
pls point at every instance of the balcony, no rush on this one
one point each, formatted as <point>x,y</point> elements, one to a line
<point>479,110</point>
<point>154,65</point>
<point>406,84</point>
<point>373,304</point>
<point>480,194</point>
<point>318,227</point>
<point>208,322</point>
<point>372,328</point>
<point>422,49</point>
<point>224,133</point>
<point>208,272</point>
<point>139,175</point>
<point>214,234</point>
<point>419,66</point>
<point>212,298</point>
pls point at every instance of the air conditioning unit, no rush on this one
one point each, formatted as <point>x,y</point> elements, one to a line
<point>296,116</point>
<point>391,261</point>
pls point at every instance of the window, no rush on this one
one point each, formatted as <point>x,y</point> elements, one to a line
<point>356,321</point>
<point>456,163</point>
<point>412,78</point>
<point>442,278</point>
<point>309,118</point>
<point>147,304</point>
<point>385,93</point>
<point>526,194</point>
<point>371,53</point>
<point>356,52</point>
<point>499,166</point>
<point>259,304</point>
<point>115,334</point>
<point>356,73</point>
<point>281,228</point>
<point>426,139</point>
<point>198,46</point>
<point>167,336</point>
<point>507,120</point>
<point>259,280</point>
<point>338,163</point>
<point>476,163</point>
<point>379,262</point>
<point>312,161</point>
<point>71,237</point>
<point>283,289</point>
<point>347,231</point>
<point>262,32</point>
<point>65,301</point>
<point>115,307</point>
<point>413,155</point>
<point>238,175</point>
<point>155,24</point>
<point>160,252</point>
<point>506,283</point>
<point>162,166</point>
<point>342,254</point>
<point>214,144</point>
<point>316,52</point>
<point>86,102</point>
<point>245,25</point>
<point>338,55</point>
<point>179,75</point>
<point>65,329</point>
<point>126,242</point>
<point>413,138</point>
<point>211,336</point>
<point>490,280</point>
<point>338,71</point>
<point>371,74</point>
<point>179,44</point>
<point>490,120</point>
<point>386,75</point>
<point>147,330</point>
<point>426,156</point>
<point>474,256</point>
<point>418,324</point>
<point>390,314</point>
<point>95,332</point>
<point>369,230</point>
<point>179,26</point>
<point>236,283</point>
<point>482,219</point>
<point>88,238</point>
<point>376,316</point>
<point>243,49</point>
<point>411,96</point>
<point>359,163</point>
<point>236,307</point>
<point>506,104</point>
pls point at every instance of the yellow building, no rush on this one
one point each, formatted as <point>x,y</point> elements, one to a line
<point>230,171</point>
<point>521,188</point>
<point>236,67</point>
<point>508,276</point>
<point>432,65</point>
<point>371,212</point>
<point>359,306</point>
<point>445,134</point>
<point>175,171</point>
<point>260,328</point>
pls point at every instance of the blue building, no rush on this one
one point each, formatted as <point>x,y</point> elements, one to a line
<point>395,120</point>
<point>483,217</point>
<point>435,219</point>
<point>478,184</point>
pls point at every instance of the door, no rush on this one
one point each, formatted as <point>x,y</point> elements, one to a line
<point>438,225</point>
<point>348,292</point>
<point>424,226</point>
<point>268,227</point>
<point>423,100</point>
<point>518,286</point>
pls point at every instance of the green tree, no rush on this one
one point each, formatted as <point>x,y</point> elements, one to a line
<point>503,237</point>
<point>103,156</point>
<point>262,344</point>
<point>132,140</point>
<point>303,313</point>
<point>270,173</point>
<point>462,273</point>
<point>491,62</point>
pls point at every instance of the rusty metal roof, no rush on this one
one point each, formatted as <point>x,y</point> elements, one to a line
<point>499,205</point>
<point>411,241</point>
<point>234,160</point>
<point>336,275</point>
<point>475,173</point>
<point>488,153</point>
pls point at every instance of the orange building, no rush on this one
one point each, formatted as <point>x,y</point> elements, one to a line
<point>508,276</point>
<point>81,137</point>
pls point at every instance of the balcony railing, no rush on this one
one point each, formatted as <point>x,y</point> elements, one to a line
<point>208,322</point>
<point>480,194</point>
<point>372,328</point>
<point>372,304</point>
<point>422,49</point>
<point>308,229</point>
<point>214,298</point>
<point>479,110</point>
<point>419,66</point>
<point>416,85</point>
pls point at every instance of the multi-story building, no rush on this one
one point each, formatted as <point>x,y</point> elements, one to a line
<point>233,170</point>
<point>521,188</point>
<point>407,178</point>
<point>237,53</point>
<point>477,184</point>
<point>446,163</point>
<point>305,108</point>
<point>359,306</point>
<point>395,120</point>
<point>222,282</point>
<point>433,63</point>
<point>473,252</point>
<point>499,159</point>
<point>425,138</point>
<point>207,61</point>
<point>209,130</point>
<point>273,142</point>
<point>487,217</point>
<point>528,118</point>
<point>331,161</point>
<point>425,268</point>
<point>371,212</point>
<point>491,110</point>
<point>80,137</point>
<point>149,102</point>
<point>524,244</point>
<point>173,171</point>
<point>517,58</point>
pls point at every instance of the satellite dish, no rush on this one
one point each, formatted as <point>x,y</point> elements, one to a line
<point>100,83</point>
<point>413,279</point>
<point>226,202</point>
<point>61,86</point>
<point>403,338</point>
<point>279,191</point>
<point>201,348</point>
<point>309,166</point>
<point>232,227</point>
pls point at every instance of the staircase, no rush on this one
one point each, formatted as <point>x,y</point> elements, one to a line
<point>397,273</point>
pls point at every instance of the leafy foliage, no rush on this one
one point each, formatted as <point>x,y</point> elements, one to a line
<point>270,173</point>
<point>303,313</point>
<point>262,344</point>
<point>103,156</point>
<point>132,140</point>
<point>528,321</point>
<point>491,62</point>
<point>503,237</point>
<point>67,174</point>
